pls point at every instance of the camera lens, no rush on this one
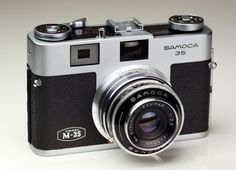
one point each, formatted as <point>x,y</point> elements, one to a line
<point>148,122</point>
<point>139,110</point>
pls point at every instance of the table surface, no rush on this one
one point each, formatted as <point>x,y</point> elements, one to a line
<point>215,152</point>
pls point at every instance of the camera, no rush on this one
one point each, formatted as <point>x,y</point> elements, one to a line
<point>121,84</point>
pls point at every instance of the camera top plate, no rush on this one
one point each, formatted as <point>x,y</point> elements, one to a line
<point>78,29</point>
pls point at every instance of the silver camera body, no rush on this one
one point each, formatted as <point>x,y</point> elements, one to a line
<point>79,78</point>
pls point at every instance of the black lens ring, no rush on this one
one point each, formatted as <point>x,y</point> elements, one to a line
<point>159,139</point>
<point>120,117</point>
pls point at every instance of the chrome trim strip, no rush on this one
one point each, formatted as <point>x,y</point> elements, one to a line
<point>72,150</point>
<point>91,148</point>
<point>192,136</point>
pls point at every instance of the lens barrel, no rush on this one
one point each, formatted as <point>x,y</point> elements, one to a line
<point>139,110</point>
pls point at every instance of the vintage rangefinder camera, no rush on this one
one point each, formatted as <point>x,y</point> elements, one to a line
<point>123,84</point>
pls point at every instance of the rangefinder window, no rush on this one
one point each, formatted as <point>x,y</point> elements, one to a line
<point>134,50</point>
<point>86,54</point>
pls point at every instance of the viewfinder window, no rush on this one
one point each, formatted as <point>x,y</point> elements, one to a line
<point>134,50</point>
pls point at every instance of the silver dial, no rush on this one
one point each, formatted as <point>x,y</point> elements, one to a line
<point>186,23</point>
<point>52,32</point>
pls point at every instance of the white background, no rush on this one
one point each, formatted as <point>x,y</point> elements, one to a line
<point>217,151</point>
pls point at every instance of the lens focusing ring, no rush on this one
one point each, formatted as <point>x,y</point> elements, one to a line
<point>114,106</point>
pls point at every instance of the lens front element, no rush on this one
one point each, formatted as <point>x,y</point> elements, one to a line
<point>148,122</point>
